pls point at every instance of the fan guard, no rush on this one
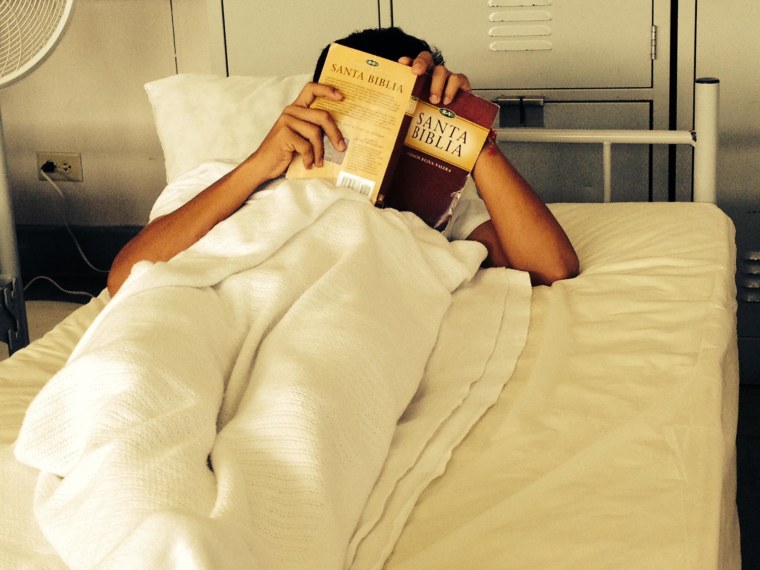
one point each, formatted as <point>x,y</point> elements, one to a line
<point>29,30</point>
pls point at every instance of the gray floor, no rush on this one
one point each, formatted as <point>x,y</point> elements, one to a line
<point>43,316</point>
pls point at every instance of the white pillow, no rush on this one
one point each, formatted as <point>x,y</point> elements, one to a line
<point>209,117</point>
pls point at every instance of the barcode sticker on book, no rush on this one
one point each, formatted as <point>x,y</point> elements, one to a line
<point>361,185</point>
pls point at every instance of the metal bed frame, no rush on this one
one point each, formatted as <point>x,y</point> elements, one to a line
<point>704,140</point>
<point>14,330</point>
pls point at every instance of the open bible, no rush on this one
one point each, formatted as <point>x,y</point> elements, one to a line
<point>402,151</point>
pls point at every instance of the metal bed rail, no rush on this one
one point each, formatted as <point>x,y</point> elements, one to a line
<point>704,140</point>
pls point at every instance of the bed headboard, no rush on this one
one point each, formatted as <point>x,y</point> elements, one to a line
<point>703,138</point>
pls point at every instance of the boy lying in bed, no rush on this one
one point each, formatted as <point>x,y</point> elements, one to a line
<point>511,221</point>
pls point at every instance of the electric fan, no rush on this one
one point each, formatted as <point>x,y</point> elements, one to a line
<point>29,31</point>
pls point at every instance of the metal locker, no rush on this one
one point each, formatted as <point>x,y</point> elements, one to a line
<point>538,44</point>
<point>286,37</point>
<point>561,64</point>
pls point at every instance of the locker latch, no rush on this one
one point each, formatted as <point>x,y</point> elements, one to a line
<point>520,112</point>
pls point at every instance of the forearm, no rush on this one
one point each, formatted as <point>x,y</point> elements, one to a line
<point>168,235</point>
<point>529,236</point>
<point>298,130</point>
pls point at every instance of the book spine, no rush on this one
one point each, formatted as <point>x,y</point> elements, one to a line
<point>421,86</point>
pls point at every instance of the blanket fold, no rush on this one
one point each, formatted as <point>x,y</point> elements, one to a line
<point>239,406</point>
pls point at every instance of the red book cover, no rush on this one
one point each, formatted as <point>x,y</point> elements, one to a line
<point>441,146</point>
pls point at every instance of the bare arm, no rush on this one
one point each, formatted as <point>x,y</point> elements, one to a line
<point>298,131</point>
<point>522,232</point>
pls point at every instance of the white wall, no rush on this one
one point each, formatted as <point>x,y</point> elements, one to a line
<point>88,97</point>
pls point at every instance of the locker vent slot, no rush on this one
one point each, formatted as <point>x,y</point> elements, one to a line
<point>518,3</point>
<point>519,31</point>
<point>521,16</point>
<point>525,28</point>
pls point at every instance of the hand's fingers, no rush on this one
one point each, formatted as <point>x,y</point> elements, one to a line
<point>445,85</point>
<point>330,128</point>
<point>308,95</point>
<point>311,123</point>
<point>422,63</point>
<point>406,60</point>
<point>303,147</point>
<point>287,137</point>
<point>313,90</point>
<point>438,82</point>
<point>305,130</point>
<point>455,83</point>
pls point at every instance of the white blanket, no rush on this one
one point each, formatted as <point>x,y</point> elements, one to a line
<point>277,396</point>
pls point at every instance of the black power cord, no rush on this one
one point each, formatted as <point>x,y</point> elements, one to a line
<point>47,168</point>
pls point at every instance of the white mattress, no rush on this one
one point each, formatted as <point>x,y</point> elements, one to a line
<point>612,445</point>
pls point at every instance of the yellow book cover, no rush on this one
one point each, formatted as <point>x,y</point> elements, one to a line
<point>377,98</point>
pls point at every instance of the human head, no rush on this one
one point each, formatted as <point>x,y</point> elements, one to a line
<point>390,43</point>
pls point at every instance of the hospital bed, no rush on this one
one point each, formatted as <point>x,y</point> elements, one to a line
<point>603,436</point>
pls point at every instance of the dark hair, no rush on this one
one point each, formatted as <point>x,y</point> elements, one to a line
<point>390,43</point>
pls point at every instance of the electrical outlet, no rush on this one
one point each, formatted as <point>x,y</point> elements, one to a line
<point>67,166</point>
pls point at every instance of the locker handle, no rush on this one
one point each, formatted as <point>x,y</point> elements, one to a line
<point>520,112</point>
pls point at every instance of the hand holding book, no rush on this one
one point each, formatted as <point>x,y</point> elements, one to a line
<point>405,151</point>
<point>313,134</point>
<point>299,131</point>
<point>444,84</point>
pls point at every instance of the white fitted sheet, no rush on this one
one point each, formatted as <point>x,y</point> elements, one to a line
<point>612,445</point>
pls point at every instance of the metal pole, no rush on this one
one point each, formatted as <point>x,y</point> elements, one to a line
<point>706,99</point>
<point>11,287</point>
<point>8,259</point>
<point>594,136</point>
<point>607,165</point>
